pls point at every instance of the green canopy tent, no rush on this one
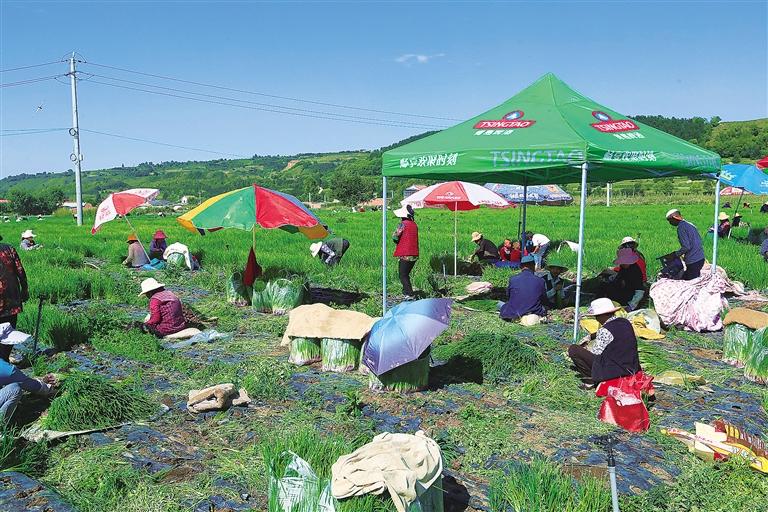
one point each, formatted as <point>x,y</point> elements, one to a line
<point>547,133</point>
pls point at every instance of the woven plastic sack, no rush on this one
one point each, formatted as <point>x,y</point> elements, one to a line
<point>737,344</point>
<point>176,260</point>
<point>756,365</point>
<point>237,292</point>
<point>297,488</point>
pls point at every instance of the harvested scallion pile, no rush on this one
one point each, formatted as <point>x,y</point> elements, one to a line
<point>89,401</point>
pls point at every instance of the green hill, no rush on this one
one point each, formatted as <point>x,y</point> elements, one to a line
<point>352,176</point>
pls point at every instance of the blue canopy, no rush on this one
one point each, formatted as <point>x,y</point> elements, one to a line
<point>537,194</point>
<point>745,176</point>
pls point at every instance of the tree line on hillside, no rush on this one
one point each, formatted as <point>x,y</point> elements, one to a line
<point>351,177</point>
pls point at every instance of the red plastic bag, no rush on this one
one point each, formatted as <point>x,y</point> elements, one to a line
<point>623,404</point>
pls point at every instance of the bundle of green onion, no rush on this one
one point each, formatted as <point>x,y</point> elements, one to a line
<point>340,355</point>
<point>737,344</point>
<point>756,365</point>
<point>278,296</point>
<point>410,377</point>
<point>89,401</point>
<point>305,351</point>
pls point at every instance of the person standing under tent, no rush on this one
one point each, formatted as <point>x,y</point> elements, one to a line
<point>158,245</point>
<point>613,353</point>
<point>14,290</point>
<point>406,237</point>
<point>691,249</point>
<point>540,247</point>
<point>486,252</point>
<point>137,257</point>
<point>330,251</point>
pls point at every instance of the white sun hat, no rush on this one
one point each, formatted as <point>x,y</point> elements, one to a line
<point>673,211</point>
<point>10,336</point>
<point>28,234</point>
<point>149,285</point>
<point>723,216</point>
<point>401,212</point>
<point>602,307</point>
<point>314,249</point>
<point>628,240</point>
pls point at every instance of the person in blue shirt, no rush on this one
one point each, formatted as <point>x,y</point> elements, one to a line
<point>13,381</point>
<point>526,293</point>
<point>691,249</point>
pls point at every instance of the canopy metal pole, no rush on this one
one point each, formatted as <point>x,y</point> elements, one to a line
<point>455,238</point>
<point>384,245</point>
<point>580,265</point>
<point>525,214</point>
<point>715,224</point>
<point>741,196</point>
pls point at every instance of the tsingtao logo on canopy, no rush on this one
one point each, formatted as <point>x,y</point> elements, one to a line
<point>509,121</point>
<point>607,125</point>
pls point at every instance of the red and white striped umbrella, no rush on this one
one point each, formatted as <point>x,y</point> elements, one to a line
<point>456,195</point>
<point>120,203</point>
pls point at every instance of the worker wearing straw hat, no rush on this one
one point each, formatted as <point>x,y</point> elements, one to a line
<point>736,220</point>
<point>630,243</point>
<point>486,252</point>
<point>628,287</point>
<point>158,245</point>
<point>166,315</point>
<point>28,241</point>
<point>137,256</point>
<point>406,236</point>
<point>613,353</point>
<point>764,208</point>
<point>691,249</point>
<point>724,228</point>
<point>329,251</point>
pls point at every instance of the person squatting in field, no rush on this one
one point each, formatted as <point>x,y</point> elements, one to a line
<point>526,293</point>
<point>406,236</point>
<point>627,287</point>
<point>137,256</point>
<point>486,253</point>
<point>166,315</point>
<point>329,251</point>
<point>510,251</point>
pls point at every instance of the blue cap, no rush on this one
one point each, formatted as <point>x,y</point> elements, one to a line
<point>527,259</point>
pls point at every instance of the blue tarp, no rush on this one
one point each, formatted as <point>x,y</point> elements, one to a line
<point>537,194</point>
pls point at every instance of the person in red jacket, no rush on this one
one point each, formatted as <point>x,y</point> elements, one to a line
<point>630,243</point>
<point>166,315</point>
<point>406,237</point>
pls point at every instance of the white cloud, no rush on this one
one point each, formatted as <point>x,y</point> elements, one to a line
<point>410,58</point>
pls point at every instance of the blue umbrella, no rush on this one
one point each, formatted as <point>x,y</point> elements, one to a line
<point>404,333</point>
<point>747,177</point>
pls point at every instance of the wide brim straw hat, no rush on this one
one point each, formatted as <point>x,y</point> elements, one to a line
<point>476,236</point>
<point>723,216</point>
<point>132,238</point>
<point>673,211</point>
<point>602,306</point>
<point>628,240</point>
<point>28,234</point>
<point>737,215</point>
<point>149,285</point>
<point>314,249</point>
<point>401,212</point>
<point>626,257</point>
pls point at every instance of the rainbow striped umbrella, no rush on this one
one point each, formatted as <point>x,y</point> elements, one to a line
<point>253,206</point>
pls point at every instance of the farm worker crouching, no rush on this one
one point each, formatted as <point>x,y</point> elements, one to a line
<point>736,220</point>
<point>406,237</point>
<point>630,243</point>
<point>764,208</point>
<point>764,246</point>
<point>526,293</point>
<point>165,312</point>
<point>613,353</point>
<point>13,381</point>
<point>691,249</point>
<point>14,290</point>
<point>486,253</point>
<point>158,245</point>
<point>28,241</point>
<point>137,257</point>
<point>724,228</point>
<point>539,245</point>
<point>628,287</point>
<point>329,251</point>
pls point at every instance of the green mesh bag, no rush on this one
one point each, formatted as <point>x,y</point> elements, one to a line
<point>756,365</point>
<point>737,344</point>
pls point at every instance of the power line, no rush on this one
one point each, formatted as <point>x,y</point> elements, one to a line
<point>270,105</point>
<point>393,124</point>
<point>31,66</point>
<point>30,131</point>
<point>288,98</point>
<point>136,139</point>
<point>31,80</point>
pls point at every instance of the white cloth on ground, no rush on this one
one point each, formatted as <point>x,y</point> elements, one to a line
<point>406,465</point>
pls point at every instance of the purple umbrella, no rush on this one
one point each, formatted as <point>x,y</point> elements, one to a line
<point>404,333</point>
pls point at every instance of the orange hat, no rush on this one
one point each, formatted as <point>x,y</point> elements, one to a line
<point>159,234</point>
<point>132,238</point>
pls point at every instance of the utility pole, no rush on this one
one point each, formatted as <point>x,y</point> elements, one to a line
<point>76,156</point>
<point>607,194</point>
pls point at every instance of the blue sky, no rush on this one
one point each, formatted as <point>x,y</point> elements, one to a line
<point>449,60</point>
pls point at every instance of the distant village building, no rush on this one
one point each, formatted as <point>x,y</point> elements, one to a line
<point>412,190</point>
